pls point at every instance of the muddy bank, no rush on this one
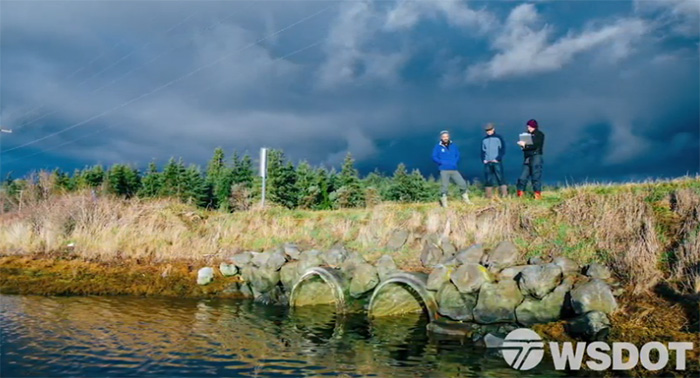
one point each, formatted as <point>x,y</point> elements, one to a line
<point>51,275</point>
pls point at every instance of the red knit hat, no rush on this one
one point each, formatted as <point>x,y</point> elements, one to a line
<point>532,123</point>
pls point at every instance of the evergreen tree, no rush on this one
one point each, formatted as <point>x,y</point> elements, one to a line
<point>218,180</point>
<point>349,192</point>
<point>173,179</point>
<point>243,171</point>
<point>401,188</point>
<point>62,180</point>
<point>194,187</point>
<point>418,187</point>
<point>323,185</point>
<point>151,183</point>
<point>283,189</point>
<point>306,187</point>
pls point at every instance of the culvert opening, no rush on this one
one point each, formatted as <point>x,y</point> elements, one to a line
<point>401,295</point>
<point>318,287</point>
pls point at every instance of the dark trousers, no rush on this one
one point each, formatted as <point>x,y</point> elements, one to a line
<point>493,174</point>
<point>532,171</point>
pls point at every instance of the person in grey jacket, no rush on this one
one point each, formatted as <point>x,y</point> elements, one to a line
<point>492,150</point>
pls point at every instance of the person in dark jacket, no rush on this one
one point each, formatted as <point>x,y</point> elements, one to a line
<point>492,150</point>
<point>532,164</point>
<point>446,156</point>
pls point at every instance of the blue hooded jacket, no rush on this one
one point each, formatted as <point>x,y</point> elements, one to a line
<point>446,157</point>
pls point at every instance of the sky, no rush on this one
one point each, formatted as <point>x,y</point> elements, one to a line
<point>614,85</point>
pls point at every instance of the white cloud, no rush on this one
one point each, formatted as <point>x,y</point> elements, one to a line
<point>681,16</point>
<point>525,47</point>
<point>408,13</point>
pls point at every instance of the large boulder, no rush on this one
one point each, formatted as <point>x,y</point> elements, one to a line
<point>264,280</point>
<point>431,255</point>
<point>598,271</point>
<point>309,259</point>
<point>291,250</point>
<point>205,276</point>
<point>247,273</point>
<point>364,279</point>
<point>468,278</point>
<point>511,273</point>
<point>504,255</point>
<point>385,267</point>
<point>594,295</point>
<point>353,260</point>
<point>241,259</point>
<point>497,302</point>
<point>568,266</point>
<point>539,280</point>
<point>397,239</point>
<point>438,277</point>
<point>260,258</point>
<point>276,260</point>
<point>335,256</point>
<point>289,275</point>
<point>549,309</point>
<point>591,326</point>
<point>471,255</point>
<point>228,269</point>
<point>455,305</point>
<point>448,249</point>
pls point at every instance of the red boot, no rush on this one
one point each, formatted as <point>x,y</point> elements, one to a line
<point>538,195</point>
<point>520,193</point>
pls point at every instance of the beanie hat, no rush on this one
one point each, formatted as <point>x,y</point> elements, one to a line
<point>532,123</point>
<point>444,132</point>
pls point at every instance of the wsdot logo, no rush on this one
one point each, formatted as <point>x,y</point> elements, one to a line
<point>523,349</point>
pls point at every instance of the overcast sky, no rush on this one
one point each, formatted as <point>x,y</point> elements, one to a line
<point>615,85</point>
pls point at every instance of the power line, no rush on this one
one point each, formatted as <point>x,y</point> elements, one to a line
<point>110,126</point>
<point>113,64</point>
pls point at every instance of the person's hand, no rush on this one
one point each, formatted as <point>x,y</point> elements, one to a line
<point>486,161</point>
<point>494,161</point>
<point>521,143</point>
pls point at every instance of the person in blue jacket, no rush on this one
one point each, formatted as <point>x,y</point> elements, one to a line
<point>492,150</point>
<point>446,156</point>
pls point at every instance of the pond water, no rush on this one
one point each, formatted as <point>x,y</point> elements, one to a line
<point>125,336</point>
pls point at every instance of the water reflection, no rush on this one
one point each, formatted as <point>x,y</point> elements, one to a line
<point>98,336</point>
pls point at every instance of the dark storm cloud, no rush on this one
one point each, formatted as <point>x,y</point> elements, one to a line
<point>615,86</point>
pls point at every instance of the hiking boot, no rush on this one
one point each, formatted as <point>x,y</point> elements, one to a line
<point>489,192</point>
<point>520,193</point>
<point>538,195</point>
<point>504,191</point>
<point>443,200</point>
<point>465,197</point>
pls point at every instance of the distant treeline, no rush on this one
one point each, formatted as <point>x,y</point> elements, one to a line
<point>233,183</point>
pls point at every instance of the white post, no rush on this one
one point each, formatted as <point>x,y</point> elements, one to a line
<point>263,172</point>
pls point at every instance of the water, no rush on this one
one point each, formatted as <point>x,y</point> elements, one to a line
<point>123,336</point>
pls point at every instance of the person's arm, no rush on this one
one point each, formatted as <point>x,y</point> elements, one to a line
<point>537,142</point>
<point>501,150</point>
<point>457,155</point>
<point>436,154</point>
<point>483,151</point>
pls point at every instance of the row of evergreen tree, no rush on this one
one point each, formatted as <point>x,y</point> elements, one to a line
<point>233,184</point>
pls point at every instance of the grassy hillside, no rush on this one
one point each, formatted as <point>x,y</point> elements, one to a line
<point>646,232</point>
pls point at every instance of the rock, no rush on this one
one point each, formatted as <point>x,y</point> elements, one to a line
<point>471,255</point>
<point>438,277</point>
<point>335,256</point>
<point>568,266</point>
<point>348,266</point>
<point>364,279</point>
<point>385,267</point>
<point>448,249</point>
<point>455,305</point>
<point>228,269</point>
<point>309,259</point>
<point>535,260</point>
<point>205,276</point>
<point>276,260</point>
<point>594,295</point>
<point>511,273</point>
<point>247,273</point>
<point>595,270</point>
<point>241,259</point>
<point>549,309</point>
<point>539,280</point>
<point>431,255</point>
<point>455,329</point>
<point>468,278</point>
<point>260,258</point>
<point>449,261</point>
<point>493,341</point>
<point>275,296</point>
<point>291,250</point>
<point>592,326</point>
<point>264,280</point>
<point>289,275</point>
<point>497,302</point>
<point>246,291</point>
<point>397,239</point>
<point>504,255</point>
